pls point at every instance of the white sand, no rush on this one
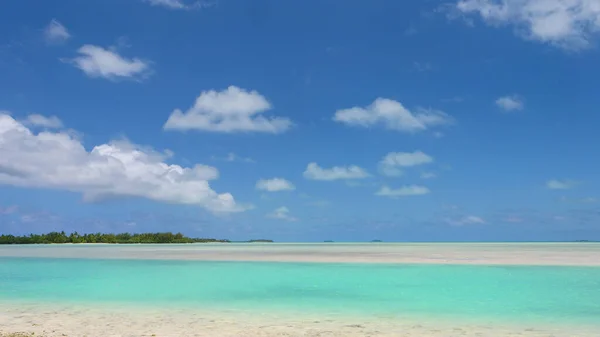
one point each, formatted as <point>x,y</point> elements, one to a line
<point>104,322</point>
<point>567,254</point>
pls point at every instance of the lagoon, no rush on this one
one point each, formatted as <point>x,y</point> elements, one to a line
<point>189,290</point>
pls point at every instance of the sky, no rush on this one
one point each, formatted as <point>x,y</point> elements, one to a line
<point>458,120</point>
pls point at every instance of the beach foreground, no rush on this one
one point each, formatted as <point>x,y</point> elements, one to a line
<point>76,321</point>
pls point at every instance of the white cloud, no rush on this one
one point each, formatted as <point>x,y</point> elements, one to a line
<point>569,24</point>
<point>56,160</point>
<point>428,175</point>
<point>282,213</point>
<point>403,191</point>
<point>275,185</point>
<point>465,220</point>
<point>231,110</point>
<point>556,184</point>
<point>392,163</point>
<point>393,115</point>
<point>96,61</point>
<point>315,172</point>
<point>179,4</point>
<point>510,103</point>
<point>51,122</point>
<point>55,32</point>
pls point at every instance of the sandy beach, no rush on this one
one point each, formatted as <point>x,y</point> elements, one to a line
<point>79,321</point>
<point>560,254</point>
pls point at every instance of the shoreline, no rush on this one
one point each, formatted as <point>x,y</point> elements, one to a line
<point>50,320</point>
<point>515,254</point>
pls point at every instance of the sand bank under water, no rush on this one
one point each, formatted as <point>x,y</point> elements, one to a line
<point>566,254</point>
<point>51,321</point>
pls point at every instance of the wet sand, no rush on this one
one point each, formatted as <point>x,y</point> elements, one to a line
<point>559,254</point>
<point>103,322</point>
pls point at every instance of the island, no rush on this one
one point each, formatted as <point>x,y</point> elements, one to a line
<point>122,238</point>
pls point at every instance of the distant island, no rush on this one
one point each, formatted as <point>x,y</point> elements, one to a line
<point>376,241</point>
<point>123,238</point>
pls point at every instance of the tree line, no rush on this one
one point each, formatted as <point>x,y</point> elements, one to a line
<point>62,237</point>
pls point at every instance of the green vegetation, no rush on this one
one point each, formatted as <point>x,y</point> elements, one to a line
<point>62,237</point>
<point>261,240</point>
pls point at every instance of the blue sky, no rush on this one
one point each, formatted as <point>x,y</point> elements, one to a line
<point>302,120</point>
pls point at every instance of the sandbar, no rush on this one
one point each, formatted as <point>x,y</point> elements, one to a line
<point>558,254</point>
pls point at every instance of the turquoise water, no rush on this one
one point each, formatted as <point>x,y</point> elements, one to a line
<point>569,295</point>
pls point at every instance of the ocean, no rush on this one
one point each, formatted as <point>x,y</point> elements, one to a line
<point>524,295</point>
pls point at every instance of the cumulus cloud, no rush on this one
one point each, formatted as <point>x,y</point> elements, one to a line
<point>465,220</point>
<point>556,184</point>
<point>231,110</point>
<point>392,164</point>
<point>569,24</point>
<point>392,115</point>
<point>51,122</point>
<point>315,172</point>
<point>403,191</point>
<point>179,4</point>
<point>275,185</point>
<point>56,160</point>
<point>55,32</point>
<point>510,103</point>
<point>98,62</point>
<point>282,213</point>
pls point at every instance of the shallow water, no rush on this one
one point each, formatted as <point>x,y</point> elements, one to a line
<point>537,295</point>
